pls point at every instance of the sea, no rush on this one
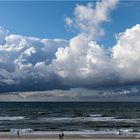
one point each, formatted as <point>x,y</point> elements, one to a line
<point>70,117</point>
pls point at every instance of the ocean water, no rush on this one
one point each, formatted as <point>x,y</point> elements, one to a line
<point>77,117</point>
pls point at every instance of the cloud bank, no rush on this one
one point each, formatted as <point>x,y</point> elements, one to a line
<point>77,94</point>
<point>30,63</point>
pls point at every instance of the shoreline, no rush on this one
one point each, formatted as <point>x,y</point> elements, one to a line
<point>44,136</point>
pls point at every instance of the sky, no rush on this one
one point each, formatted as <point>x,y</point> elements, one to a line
<point>69,50</point>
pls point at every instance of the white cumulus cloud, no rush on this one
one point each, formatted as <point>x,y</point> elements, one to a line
<point>32,63</point>
<point>84,61</point>
<point>20,56</point>
<point>126,54</point>
<point>87,19</point>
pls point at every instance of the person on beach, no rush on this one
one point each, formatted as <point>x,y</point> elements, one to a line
<point>18,133</point>
<point>61,136</point>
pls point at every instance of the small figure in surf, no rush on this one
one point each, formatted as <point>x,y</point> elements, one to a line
<point>18,133</point>
<point>61,136</point>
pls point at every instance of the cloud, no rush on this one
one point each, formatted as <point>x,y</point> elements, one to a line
<point>84,58</point>
<point>120,92</point>
<point>23,58</point>
<point>126,54</point>
<point>76,94</point>
<point>87,18</point>
<point>3,34</point>
<point>30,63</point>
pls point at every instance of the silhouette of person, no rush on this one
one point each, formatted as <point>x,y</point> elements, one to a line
<point>62,135</point>
<point>18,133</point>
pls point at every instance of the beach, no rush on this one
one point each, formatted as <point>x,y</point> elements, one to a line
<point>37,136</point>
<point>8,138</point>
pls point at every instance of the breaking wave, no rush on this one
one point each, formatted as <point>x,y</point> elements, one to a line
<point>92,118</point>
<point>11,118</point>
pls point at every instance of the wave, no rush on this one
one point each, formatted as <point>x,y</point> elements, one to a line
<point>88,119</point>
<point>81,132</point>
<point>11,118</point>
<point>27,130</point>
<point>126,130</point>
<point>95,115</point>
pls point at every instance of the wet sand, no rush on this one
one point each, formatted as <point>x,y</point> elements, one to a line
<point>33,136</point>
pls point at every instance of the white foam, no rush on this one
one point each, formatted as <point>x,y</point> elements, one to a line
<point>82,132</point>
<point>88,119</point>
<point>27,130</point>
<point>126,130</point>
<point>11,118</point>
<point>95,115</point>
<point>56,119</point>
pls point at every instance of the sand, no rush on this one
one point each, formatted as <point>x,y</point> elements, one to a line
<point>32,136</point>
<point>21,138</point>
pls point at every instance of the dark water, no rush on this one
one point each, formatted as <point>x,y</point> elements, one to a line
<point>71,116</point>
